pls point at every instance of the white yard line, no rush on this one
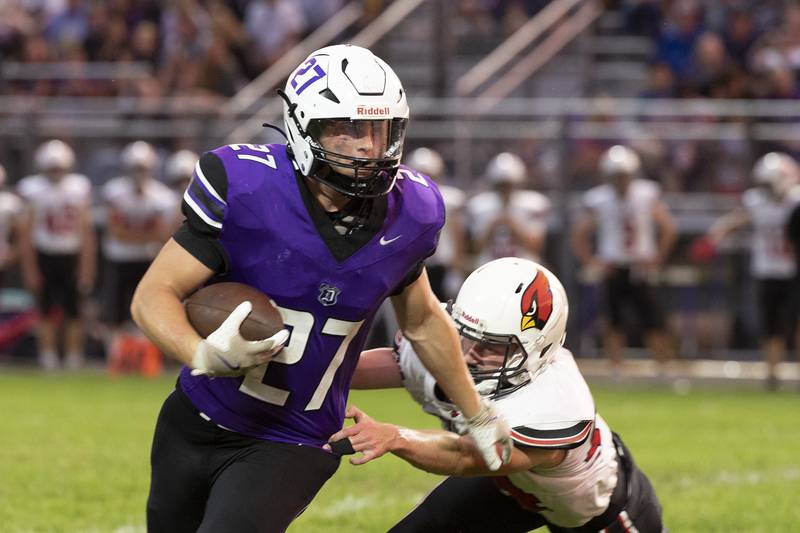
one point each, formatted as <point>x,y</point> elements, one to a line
<point>748,477</point>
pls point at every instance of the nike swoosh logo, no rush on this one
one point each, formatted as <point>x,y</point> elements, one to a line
<point>226,363</point>
<point>384,242</point>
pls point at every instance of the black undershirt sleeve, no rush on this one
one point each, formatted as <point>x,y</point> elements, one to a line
<point>203,247</point>
<point>412,276</point>
<point>196,235</point>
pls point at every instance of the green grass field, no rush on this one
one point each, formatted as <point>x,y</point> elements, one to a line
<point>74,456</point>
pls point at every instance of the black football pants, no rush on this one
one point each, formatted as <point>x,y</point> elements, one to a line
<point>476,505</point>
<point>208,479</point>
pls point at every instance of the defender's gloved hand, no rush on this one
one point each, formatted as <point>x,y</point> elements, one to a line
<point>488,429</point>
<point>226,353</point>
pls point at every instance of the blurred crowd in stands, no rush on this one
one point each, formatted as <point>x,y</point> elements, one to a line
<point>730,49</point>
<point>187,47</point>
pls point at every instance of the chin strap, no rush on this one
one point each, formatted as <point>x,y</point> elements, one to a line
<point>276,128</point>
<point>292,107</point>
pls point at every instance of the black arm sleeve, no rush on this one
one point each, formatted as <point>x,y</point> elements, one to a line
<point>412,276</point>
<point>203,247</point>
<point>197,235</point>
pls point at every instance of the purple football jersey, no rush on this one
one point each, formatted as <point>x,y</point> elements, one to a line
<point>328,305</point>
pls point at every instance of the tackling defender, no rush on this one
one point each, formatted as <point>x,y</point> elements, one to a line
<point>568,471</point>
<point>328,226</point>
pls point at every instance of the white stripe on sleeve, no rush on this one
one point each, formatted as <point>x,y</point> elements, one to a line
<point>202,178</point>
<point>196,208</point>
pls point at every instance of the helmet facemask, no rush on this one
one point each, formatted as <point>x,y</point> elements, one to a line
<point>497,363</point>
<point>363,177</point>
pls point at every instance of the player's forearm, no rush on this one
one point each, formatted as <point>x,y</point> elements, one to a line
<point>159,312</point>
<point>437,345</point>
<point>377,369</point>
<point>438,452</point>
<point>727,225</point>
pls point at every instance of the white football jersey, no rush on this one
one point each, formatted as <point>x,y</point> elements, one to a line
<point>556,410</point>
<point>11,209</point>
<point>153,206</point>
<point>769,255</point>
<point>626,231</point>
<point>446,251</point>
<point>530,209</point>
<point>56,208</point>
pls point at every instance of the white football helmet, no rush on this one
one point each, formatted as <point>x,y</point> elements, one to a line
<point>518,304</point>
<point>427,161</point>
<point>139,155</point>
<point>348,88</point>
<point>506,167</point>
<point>619,160</point>
<point>777,172</point>
<point>180,165</point>
<point>54,155</point>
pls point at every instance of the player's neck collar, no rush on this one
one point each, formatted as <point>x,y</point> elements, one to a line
<point>342,247</point>
<point>328,199</point>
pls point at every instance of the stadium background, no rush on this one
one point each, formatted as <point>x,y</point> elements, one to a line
<point>699,89</point>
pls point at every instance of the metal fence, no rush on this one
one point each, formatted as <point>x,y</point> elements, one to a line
<point>701,152</point>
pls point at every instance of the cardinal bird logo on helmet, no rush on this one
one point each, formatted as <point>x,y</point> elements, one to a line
<point>536,305</point>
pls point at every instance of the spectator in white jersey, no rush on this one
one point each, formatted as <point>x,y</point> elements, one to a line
<point>506,220</point>
<point>446,266</point>
<point>568,471</point>
<point>58,249</point>
<point>140,214</point>
<point>635,233</point>
<point>767,208</point>
<point>11,211</point>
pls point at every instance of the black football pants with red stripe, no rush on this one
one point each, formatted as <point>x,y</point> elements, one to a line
<point>208,479</point>
<point>476,505</point>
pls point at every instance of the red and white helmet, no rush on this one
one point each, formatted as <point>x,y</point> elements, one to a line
<point>139,155</point>
<point>349,87</point>
<point>54,155</point>
<point>619,160</point>
<point>519,304</point>
<point>427,161</point>
<point>776,171</point>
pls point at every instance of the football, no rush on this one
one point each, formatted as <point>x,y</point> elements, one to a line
<point>208,308</point>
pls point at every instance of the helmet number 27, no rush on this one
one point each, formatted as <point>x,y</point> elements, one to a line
<point>307,74</point>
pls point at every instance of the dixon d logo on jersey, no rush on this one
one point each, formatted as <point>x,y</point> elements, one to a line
<point>536,305</point>
<point>328,294</point>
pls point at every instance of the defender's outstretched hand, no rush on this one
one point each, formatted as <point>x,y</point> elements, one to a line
<point>226,353</point>
<point>373,439</point>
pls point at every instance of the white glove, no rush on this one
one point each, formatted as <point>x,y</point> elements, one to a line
<point>226,353</point>
<point>488,428</point>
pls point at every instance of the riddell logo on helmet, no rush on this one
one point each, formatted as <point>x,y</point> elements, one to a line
<point>372,111</point>
<point>536,305</point>
<point>469,318</point>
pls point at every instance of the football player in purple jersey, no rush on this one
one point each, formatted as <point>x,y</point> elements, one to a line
<point>329,226</point>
